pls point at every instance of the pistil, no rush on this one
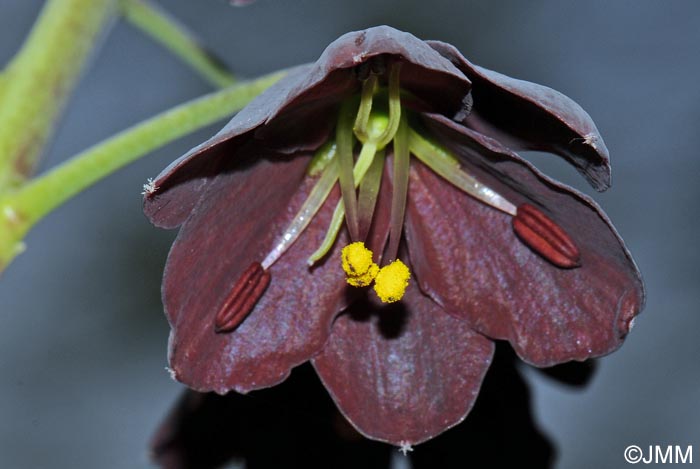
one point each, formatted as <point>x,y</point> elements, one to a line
<point>369,87</point>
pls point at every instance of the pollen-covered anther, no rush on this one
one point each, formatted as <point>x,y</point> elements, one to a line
<point>391,281</point>
<point>364,279</point>
<point>244,295</point>
<point>541,234</point>
<point>358,264</point>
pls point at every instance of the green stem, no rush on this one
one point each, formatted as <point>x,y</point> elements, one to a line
<point>39,79</point>
<point>3,80</point>
<point>166,30</point>
<point>20,210</point>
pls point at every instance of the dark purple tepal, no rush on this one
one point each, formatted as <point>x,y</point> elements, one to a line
<point>369,213</point>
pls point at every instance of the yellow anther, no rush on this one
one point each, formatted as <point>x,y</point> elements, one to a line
<point>364,279</point>
<point>358,264</point>
<point>391,281</point>
<point>357,259</point>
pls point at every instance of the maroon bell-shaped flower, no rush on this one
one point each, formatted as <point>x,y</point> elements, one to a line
<point>369,213</point>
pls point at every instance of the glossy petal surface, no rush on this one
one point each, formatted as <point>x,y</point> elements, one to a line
<point>279,118</point>
<point>525,115</point>
<point>406,372</point>
<point>181,184</point>
<point>403,373</point>
<point>235,224</point>
<point>500,431</point>
<point>468,259</point>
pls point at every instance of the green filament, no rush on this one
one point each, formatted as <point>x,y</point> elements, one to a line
<point>369,189</point>
<point>345,144</point>
<point>400,183</point>
<point>368,88</point>
<point>447,167</point>
<point>323,156</point>
<point>364,162</point>
<point>308,210</point>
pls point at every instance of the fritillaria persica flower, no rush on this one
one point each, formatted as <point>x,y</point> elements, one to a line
<point>369,213</point>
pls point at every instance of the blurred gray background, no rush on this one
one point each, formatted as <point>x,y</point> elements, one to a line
<point>82,333</point>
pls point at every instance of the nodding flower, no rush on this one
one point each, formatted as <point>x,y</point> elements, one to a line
<point>382,184</point>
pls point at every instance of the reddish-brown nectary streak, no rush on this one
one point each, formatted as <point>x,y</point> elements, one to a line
<point>545,237</point>
<point>244,295</point>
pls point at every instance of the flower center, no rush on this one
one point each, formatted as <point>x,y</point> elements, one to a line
<point>390,281</point>
<point>374,120</point>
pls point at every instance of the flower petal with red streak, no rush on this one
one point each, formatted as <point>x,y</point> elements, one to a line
<point>236,223</point>
<point>467,257</point>
<point>406,372</point>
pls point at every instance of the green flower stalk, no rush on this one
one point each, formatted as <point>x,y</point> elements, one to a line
<point>21,209</point>
<point>37,82</point>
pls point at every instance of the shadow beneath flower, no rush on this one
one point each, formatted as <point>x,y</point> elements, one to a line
<point>499,431</point>
<point>577,374</point>
<point>296,424</point>
<point>391,319</point>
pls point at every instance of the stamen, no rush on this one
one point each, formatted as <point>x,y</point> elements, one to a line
<point>331,235</point>
<point>446,166</point>
<point>358,264</point>
<point>400,183</point>
<point>364,161</point>
<point>301,220</point>
<point>545,237</point>
<point>357,259</point>
<point>391,281</point>
<point>368,88</point>
<point>364,279</point>
<point>322,157</point>
<point>369,189</point>
<point>240,302</point>
<point>344,142</point>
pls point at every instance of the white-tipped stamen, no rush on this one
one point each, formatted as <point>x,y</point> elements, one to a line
<point>323,156</point>
<point>311,206</point>
<point>447,167</point>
